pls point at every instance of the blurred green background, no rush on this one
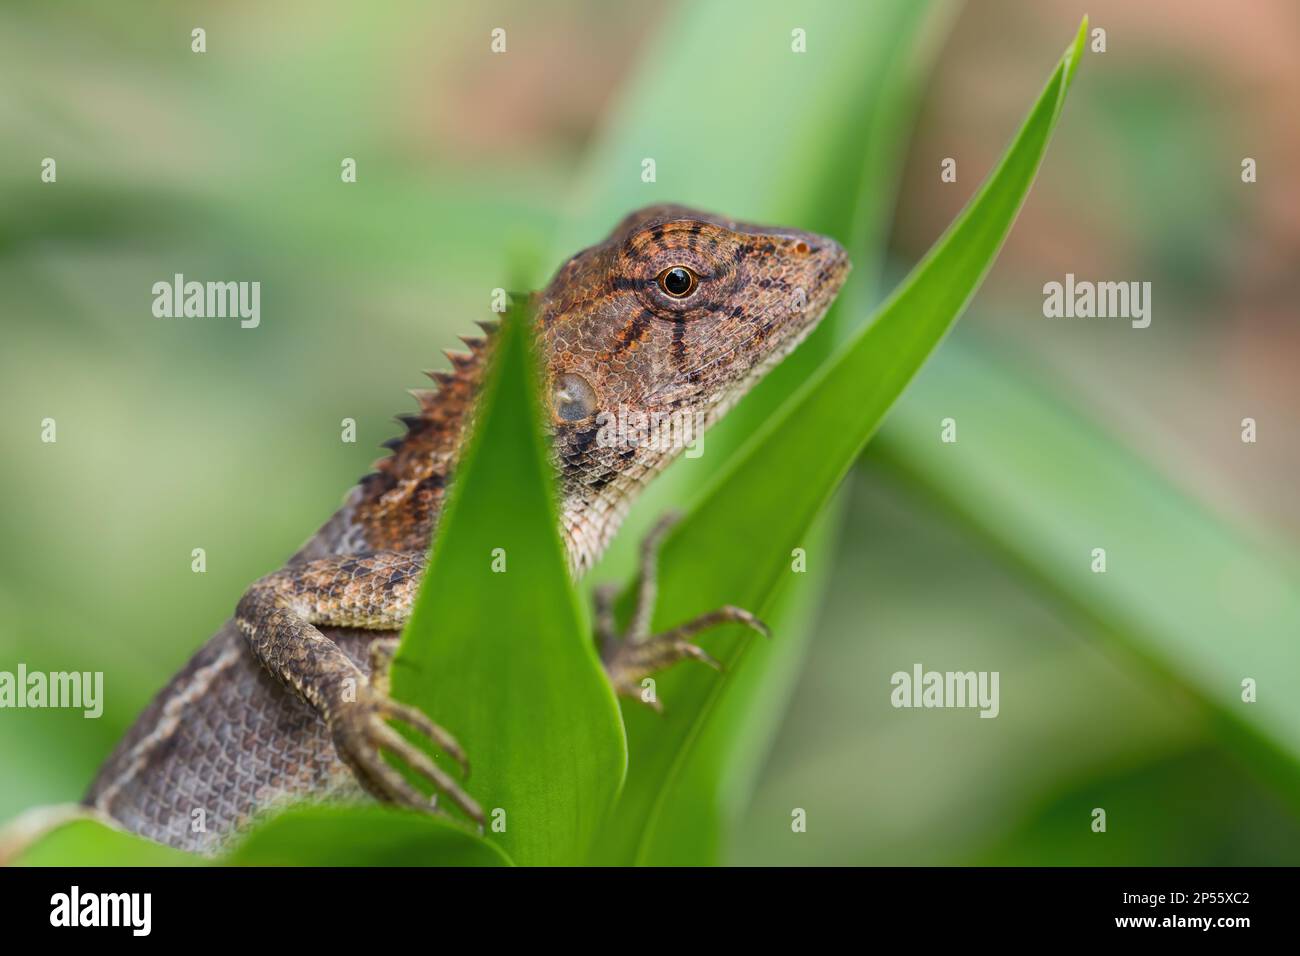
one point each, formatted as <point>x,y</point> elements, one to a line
<point>193,433</point>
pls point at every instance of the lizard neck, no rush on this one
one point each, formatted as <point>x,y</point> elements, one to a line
<point>397,506</point>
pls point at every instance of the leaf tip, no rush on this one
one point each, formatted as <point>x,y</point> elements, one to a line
<point>1075,53</point>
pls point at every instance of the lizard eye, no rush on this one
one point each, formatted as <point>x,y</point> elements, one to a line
<point>678,281</point>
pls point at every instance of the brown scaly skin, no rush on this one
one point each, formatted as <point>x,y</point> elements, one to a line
<point>617,329</point>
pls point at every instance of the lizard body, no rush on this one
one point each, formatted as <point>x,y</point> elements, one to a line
<point>676,311</point>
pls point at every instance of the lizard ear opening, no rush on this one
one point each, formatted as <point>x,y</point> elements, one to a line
<point>573,399</point>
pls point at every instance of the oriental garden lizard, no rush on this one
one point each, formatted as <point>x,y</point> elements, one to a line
<point>676,311</point>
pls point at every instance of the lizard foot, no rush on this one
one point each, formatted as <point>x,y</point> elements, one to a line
<point>362,733</point>
<point>637,653</point>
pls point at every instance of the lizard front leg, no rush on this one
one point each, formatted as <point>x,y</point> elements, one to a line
<point>280,615</point>
<point>638,653</point>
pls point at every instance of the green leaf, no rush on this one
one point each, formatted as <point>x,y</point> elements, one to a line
<point>764,504</point>
<point>91,843</point>
<point>1197,600</point>
<point>369,835</point>
<point>505,661</point>
<point>821,173</point>
<point>713,782</point>
<point>361,836</point>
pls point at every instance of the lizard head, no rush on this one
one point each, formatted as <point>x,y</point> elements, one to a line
<point>653,334</point>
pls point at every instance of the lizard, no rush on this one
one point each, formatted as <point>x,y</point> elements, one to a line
<point>677,310</point>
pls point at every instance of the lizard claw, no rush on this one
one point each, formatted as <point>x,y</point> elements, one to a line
<point>361,733</point>
<point>638,653</point>
<point>630,660</point>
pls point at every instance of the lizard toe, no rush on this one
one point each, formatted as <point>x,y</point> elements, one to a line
<point>362,735</point>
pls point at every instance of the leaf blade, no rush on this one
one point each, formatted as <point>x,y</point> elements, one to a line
<point>847,398</point>
<point>91,843</point>
<point>821,173</point>
<point>497,649</point>
<point>1041,487</point>
<point>369,835</point>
